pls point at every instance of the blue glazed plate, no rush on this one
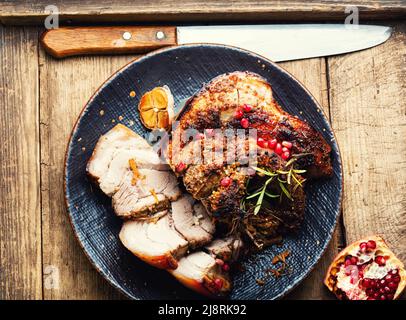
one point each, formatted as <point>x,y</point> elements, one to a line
<point>185,69</point>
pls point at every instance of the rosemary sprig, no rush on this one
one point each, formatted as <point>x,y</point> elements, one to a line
<point>284,177</point>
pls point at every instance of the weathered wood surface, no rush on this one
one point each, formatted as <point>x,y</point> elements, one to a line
<point>20,215</point>
<point>95,11</point>
<point>312,73</point>
<point>368,111</point>
<point>66,85</point>
<point>363,92</point>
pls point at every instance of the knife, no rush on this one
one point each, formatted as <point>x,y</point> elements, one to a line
<point>277,42</point>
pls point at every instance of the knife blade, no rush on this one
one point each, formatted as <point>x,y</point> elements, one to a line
<point>277,42</point>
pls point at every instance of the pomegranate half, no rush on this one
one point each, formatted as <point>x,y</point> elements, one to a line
<point>366,270</point>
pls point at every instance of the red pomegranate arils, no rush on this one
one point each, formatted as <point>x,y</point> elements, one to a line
<point>238,114</point>
<point>226,267</point>
<point>285,155</point>
<point>244,123</point>
<point>247,108</point>
<point>287,144</point>
<point>272,143</point>
<point>225,182</point>
<point>363,247</point>
<point>371,244</point>
<point>180,167</point>
<point>380,260</point>
<point>360,271</point>
<point>218,283</point>
<point>278,148</point>
<point>262,143</point>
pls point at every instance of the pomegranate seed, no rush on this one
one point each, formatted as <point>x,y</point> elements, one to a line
<point>272,143</point>
<point>392,285</point>
<point>180,167</point>
<point>220,262</point>
<point>388,277</point>
<point>366,283</point>
<point>373,283</point>
<point>382,297</point>
<point>244,123</point>
<point>225,182</point>
<point>387,289</point>
<point>262,143</point>
<point>284,149</point>
<point>285,155</point>
<point>389,296</point>
<point>218,283</point>
<point>394,272</point>
<point>210,132</point>
<point>226,267</point>
<point>382,290</point>
<point>381,283</point>
<point>278,148</point>
<point>369,292</point>
<point>371,244</point>
<point>238,114</point>
<point>380,260</point>
<point>396,279</point>
<point>287,144</point>
<point>247,107</point>
<point>354,260</point>
<point>363,247</point>
<point>376,295</point>
<point>347,262</point>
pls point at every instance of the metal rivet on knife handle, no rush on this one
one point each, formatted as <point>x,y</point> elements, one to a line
<point>127,35</point>
<point>160,35</point>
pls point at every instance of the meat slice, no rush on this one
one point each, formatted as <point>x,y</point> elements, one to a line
<point>228,249</point>
<point>191,220</point>
<point>200,272</point>
<point>156,243</point>
<point>127,169</point>
<point>113,143</point>
<point>153,191</point>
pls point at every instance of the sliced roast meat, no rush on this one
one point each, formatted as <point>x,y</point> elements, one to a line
<point>156,243</point>
<point>228,249</point>
<point>151,191</point>
<point>127,169</point>
<point>118,139</point>
<point>192,221</point>
<point>200,272</point>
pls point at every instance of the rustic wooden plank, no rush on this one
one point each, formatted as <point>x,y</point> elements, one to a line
<point>66,85</point>
<point>20,216</point>
<point>94,11</point>
<point>312,73</point>
<point>367,96</point>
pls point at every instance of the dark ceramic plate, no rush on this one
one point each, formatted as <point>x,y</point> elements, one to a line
<point>185,69</point>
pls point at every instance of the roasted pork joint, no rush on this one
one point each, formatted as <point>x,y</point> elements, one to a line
<point>259,193</point>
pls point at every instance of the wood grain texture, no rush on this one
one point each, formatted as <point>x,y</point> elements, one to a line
<point>312,73</point>
<point>94,11</point>
<point>66,85</point>
<point>72,41</point>
<point>368,94</point>
<point>20,216</point>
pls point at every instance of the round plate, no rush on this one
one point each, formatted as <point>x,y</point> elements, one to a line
<point>185,69</point>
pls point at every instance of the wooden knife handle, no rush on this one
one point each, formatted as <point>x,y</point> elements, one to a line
<point>72,41</point>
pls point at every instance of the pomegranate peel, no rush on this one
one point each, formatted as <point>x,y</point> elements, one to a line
<point>371,272</point>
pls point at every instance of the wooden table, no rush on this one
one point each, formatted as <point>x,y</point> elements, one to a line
<point>363,93</point>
